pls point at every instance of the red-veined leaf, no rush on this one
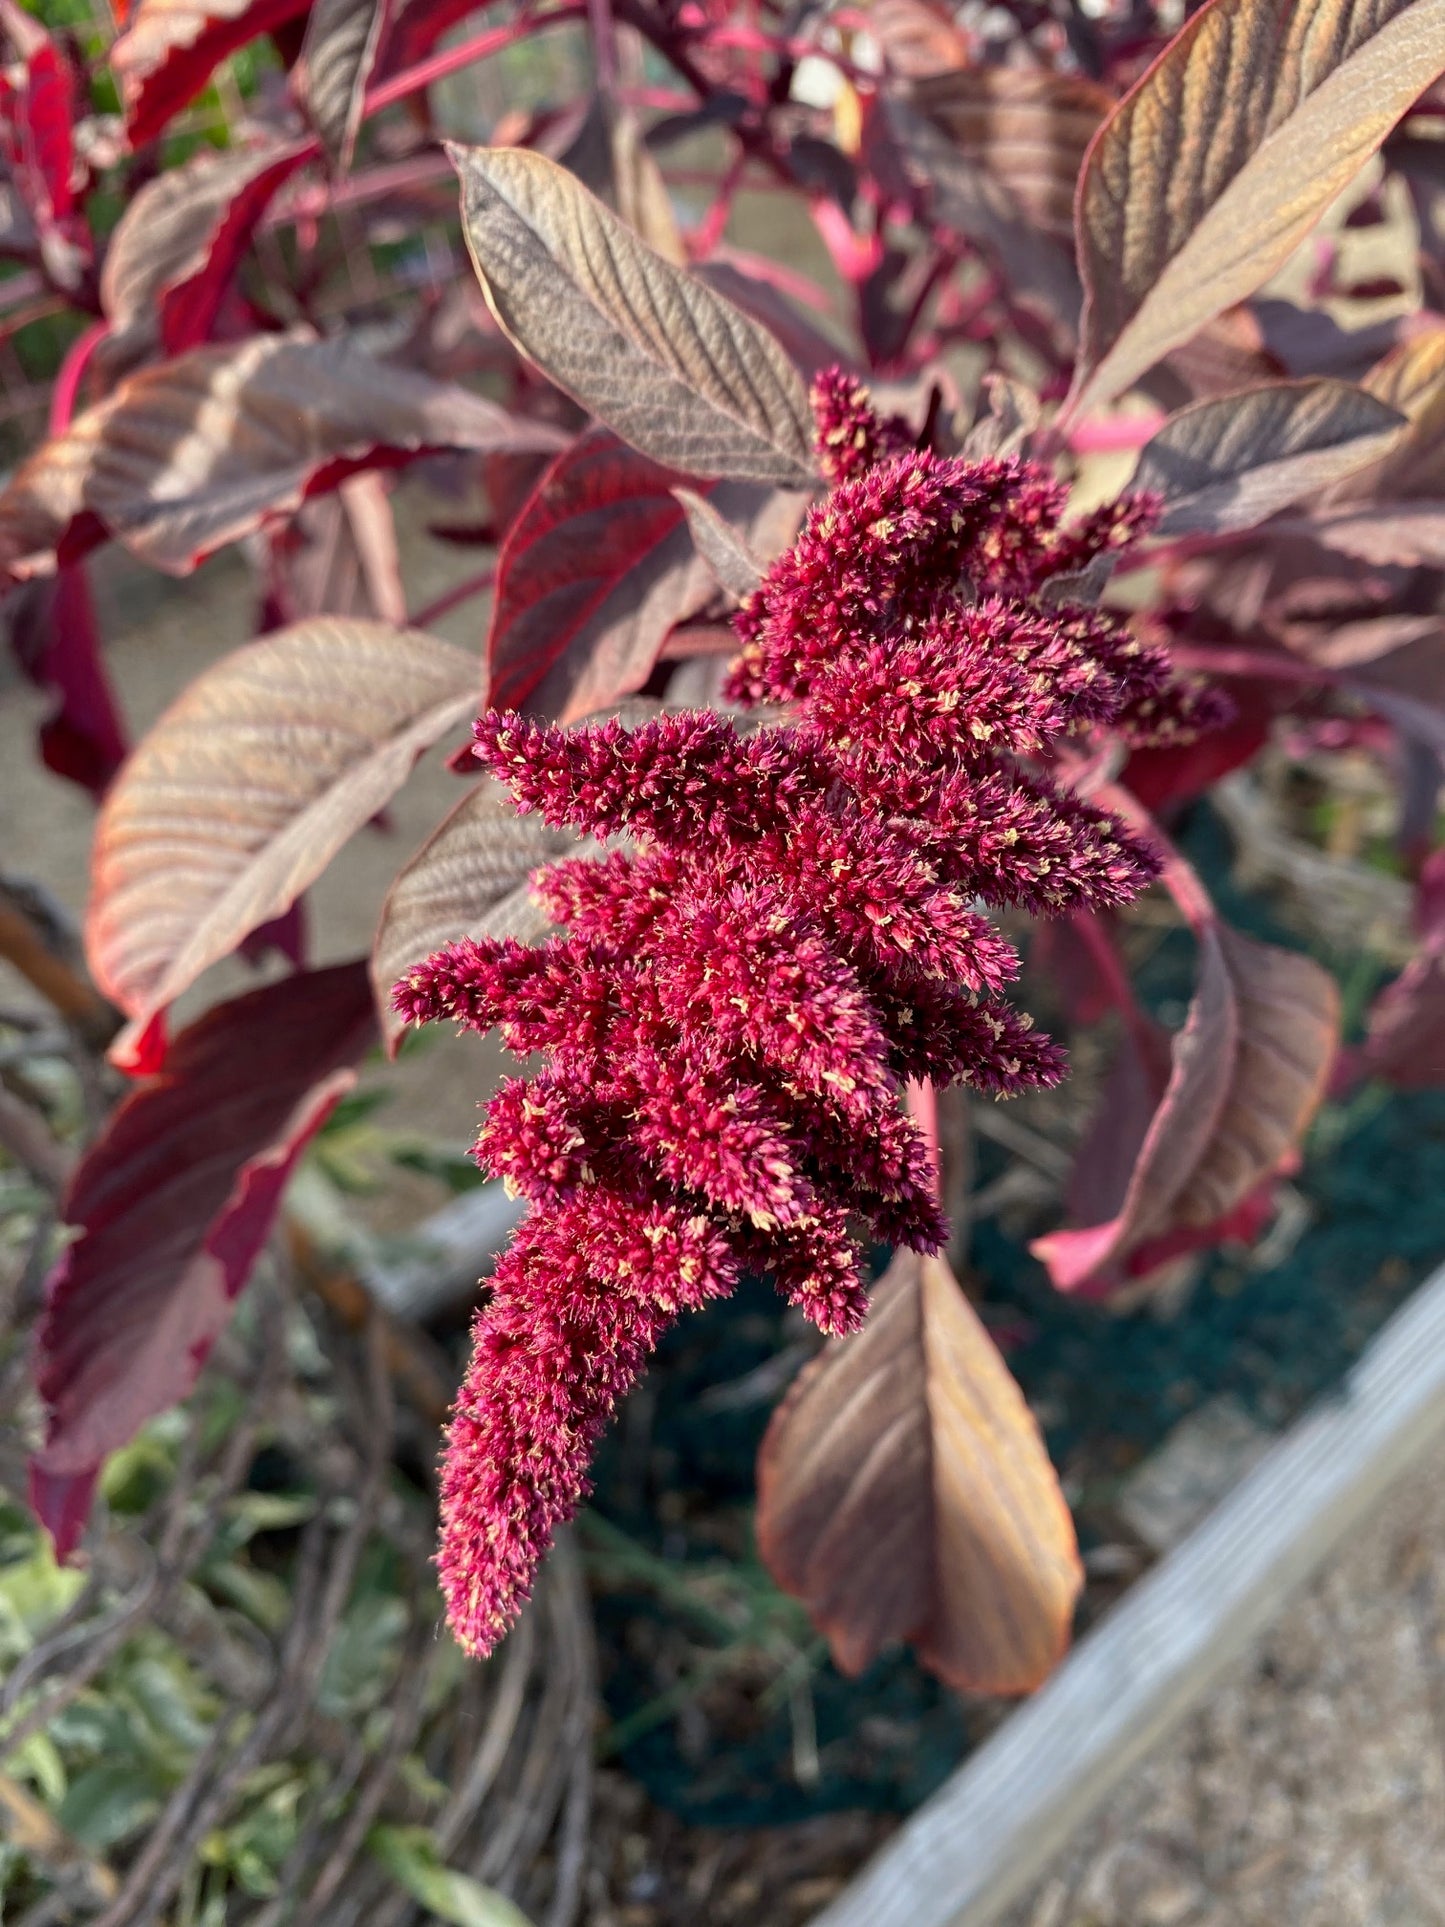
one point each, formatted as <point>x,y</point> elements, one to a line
<point>1231,463</point>
<point>197,452</point>
<point>173,1203</point>
<point>176,247</point>
<point>596,570</point>
<point>170,49</point>
<point>647,348</point>
<point>469,879</point>
<point>1249,1069</point>
<point>247,786</point>
<point>1222,158</point>
<point>338,56</point>
<point>38,110</point>
<point>904,1492</point>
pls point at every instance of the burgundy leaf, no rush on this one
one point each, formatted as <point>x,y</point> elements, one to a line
<point>56,638</point>
<point>178,244</point>
<point>197,452</point>
<point>596,570</point>
<point>417,27</point>
<point>38,108</point>
<point>1249,1069</point>
<point>1405,1037</point>
<point>244,790</point>
<point>904,1492</point>
<point>173,1204</point>
<point>170,49</point>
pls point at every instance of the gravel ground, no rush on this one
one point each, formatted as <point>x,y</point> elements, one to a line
<point>1309,1791</point>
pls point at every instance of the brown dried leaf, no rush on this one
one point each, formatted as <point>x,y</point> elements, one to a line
<point>1222,158</point>
<point>248,785</point>
<point>648,349</point>
<point>469,879</point>
<point>904,1492</point>
<point>1231,463</point>
<point>197,452</point>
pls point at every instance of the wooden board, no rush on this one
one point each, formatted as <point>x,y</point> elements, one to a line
<point>993,1828</point>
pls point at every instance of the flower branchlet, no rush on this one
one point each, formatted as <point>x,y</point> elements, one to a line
<point>791,925</point>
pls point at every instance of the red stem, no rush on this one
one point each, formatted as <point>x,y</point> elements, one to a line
<point>453,598</point>
<point>922,1102</point>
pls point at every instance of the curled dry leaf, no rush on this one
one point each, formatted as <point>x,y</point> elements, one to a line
<point>596,570</point>
<point>1024,127</point>
<point>173,1203</point>
<point>245,789</point>
<point>197,452</point>
<point>176,247</point>
<point>904,1492</point>
<point>170,49</point>
<point>338,56</point>
<point>469,879</point>
<point>652,351</point>
<point>1249,1069</point>
<point>1231,463</point>
<point>1223,157</point>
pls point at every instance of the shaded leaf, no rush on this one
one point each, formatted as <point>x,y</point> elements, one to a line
<point>1249,1069</point>
<point>170,49</point>
<point>338,56</point>
<point>720,545</point>
<point>1405,1036</point>
<point>1222,158</point>
<point>596,570</point>
<point>965,196</point>
<point>469,879</point>
<point>247,786</point>
<point>173,1203</point>
<point>1231,463</point>
<point>904,1492</point>
<point>917,38</point>
<point>1026,128</point>
<point>56,638</point>
<point>337,556</point>
<point>190,455</point>
<point>650,350</point>
<point>177,246</point>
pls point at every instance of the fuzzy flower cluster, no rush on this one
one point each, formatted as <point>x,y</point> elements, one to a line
<point>787,925</point>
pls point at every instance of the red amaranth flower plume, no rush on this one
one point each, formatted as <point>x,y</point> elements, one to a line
<point>791,927</point>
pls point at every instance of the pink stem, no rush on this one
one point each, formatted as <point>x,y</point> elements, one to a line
<point>922,1102</point>
<point>453,598</point>
<point>1179,877</point>
<point>72,372</point>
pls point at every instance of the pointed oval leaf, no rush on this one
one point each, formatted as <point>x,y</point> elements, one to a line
<point>176,247</point>
<point>248,785</point>
<point>1231,463</point>
<point>904,1492</point>
<point>647,348</point>
<point>1250,1068</point>
<point>338,56</point>
<point>1222,158</point>
<point>174,1202</point>
<point>469,879</point>
<point>170,49</point>
<point>721,546</point>
<point>197,452</point>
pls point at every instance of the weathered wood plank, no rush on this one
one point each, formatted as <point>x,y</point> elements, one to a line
<point>992,1829</point>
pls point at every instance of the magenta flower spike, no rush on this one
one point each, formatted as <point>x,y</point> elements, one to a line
<point>793,925</point>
